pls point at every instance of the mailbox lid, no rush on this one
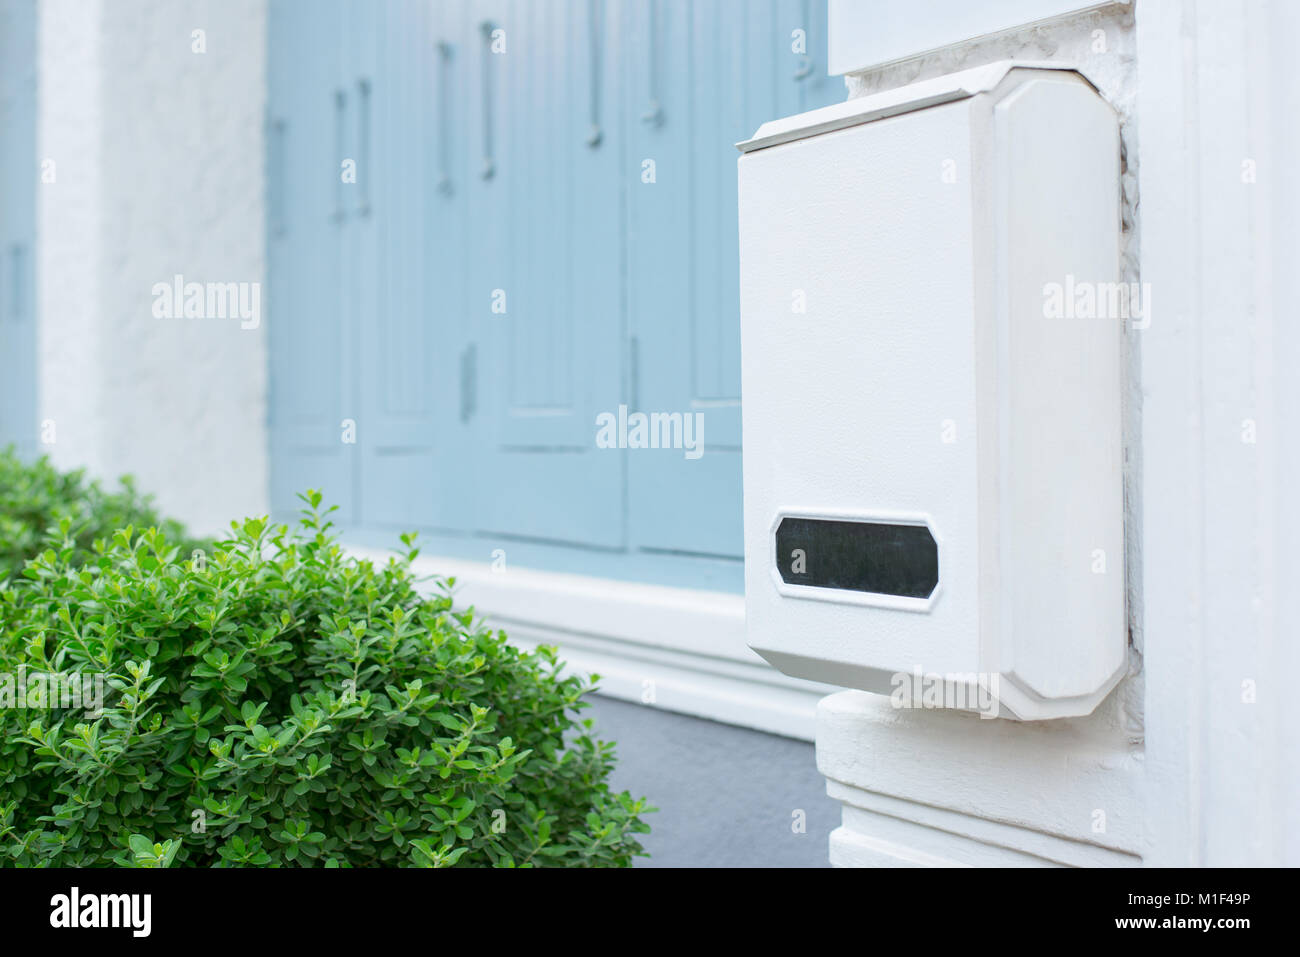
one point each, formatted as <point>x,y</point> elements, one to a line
<point>906,99</point>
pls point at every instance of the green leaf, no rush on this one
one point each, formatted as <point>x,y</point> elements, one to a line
<point>140,845</point>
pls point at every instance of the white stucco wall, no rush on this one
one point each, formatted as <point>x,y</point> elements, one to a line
<point>158,162</point>
<point>68,216</point>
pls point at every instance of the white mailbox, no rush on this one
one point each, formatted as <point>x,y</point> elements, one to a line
<point>932,320</point>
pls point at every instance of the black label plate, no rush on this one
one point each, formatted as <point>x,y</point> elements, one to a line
<point>875,557</point>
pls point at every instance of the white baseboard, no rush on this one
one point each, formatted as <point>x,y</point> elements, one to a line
<point>673,648</point>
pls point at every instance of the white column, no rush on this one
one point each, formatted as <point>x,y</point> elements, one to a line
<point>1220,449</point>
<point>158,149</point>
<point>69,232</point>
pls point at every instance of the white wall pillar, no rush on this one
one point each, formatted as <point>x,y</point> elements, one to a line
<point>158,152</point>
<point>1220,518</point>
<point>69,210</point>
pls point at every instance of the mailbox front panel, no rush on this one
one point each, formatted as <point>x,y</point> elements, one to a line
<point>857,330</point>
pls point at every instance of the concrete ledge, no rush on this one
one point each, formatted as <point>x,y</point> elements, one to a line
<point>942,788</point>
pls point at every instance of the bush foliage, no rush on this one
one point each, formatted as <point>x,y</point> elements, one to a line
<point>34,496</point>
<point>274,701</point>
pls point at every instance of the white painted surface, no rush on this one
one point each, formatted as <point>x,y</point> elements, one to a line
<point>884,103</point>
<point>1220,516</point>
<point>868,33</point>
<point>980,792</point>
<point>159,172</point>
<point>924,383</point>
<point>71,331</point>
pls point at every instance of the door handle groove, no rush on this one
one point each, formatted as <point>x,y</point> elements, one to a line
<point>340,108</point>
<point>654,114</point>
<point>595,27</point>
<point>489,162</point>
<point>444,124</point>
<point>276,178</point>
<point>17,277</point>
<point>468,382</point>
<point>363,147</point>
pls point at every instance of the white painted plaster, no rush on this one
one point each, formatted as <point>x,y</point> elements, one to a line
<point>159,159</point>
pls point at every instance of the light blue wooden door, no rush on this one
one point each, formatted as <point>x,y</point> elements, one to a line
<point>366,269</point>
<point>410,259</point>
<point>18,184</point>
<point>545,240</point>
<point>502,270</point>
<point>312,411</point>
<point>702,76</point>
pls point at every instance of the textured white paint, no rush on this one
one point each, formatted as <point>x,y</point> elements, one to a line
<point>159,152</point>
<point>70,329</point>
<point>971,786</point>
<point>867,34</point>
<point>1220,516</point>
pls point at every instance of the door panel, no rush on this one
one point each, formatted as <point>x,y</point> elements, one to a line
<point>311,355</point>
<point>408,267</point>
<point>702,76</point>
<point>551,362</point>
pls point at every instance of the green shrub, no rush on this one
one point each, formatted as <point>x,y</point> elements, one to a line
<point>277,702</point>
<point>34,496</point>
